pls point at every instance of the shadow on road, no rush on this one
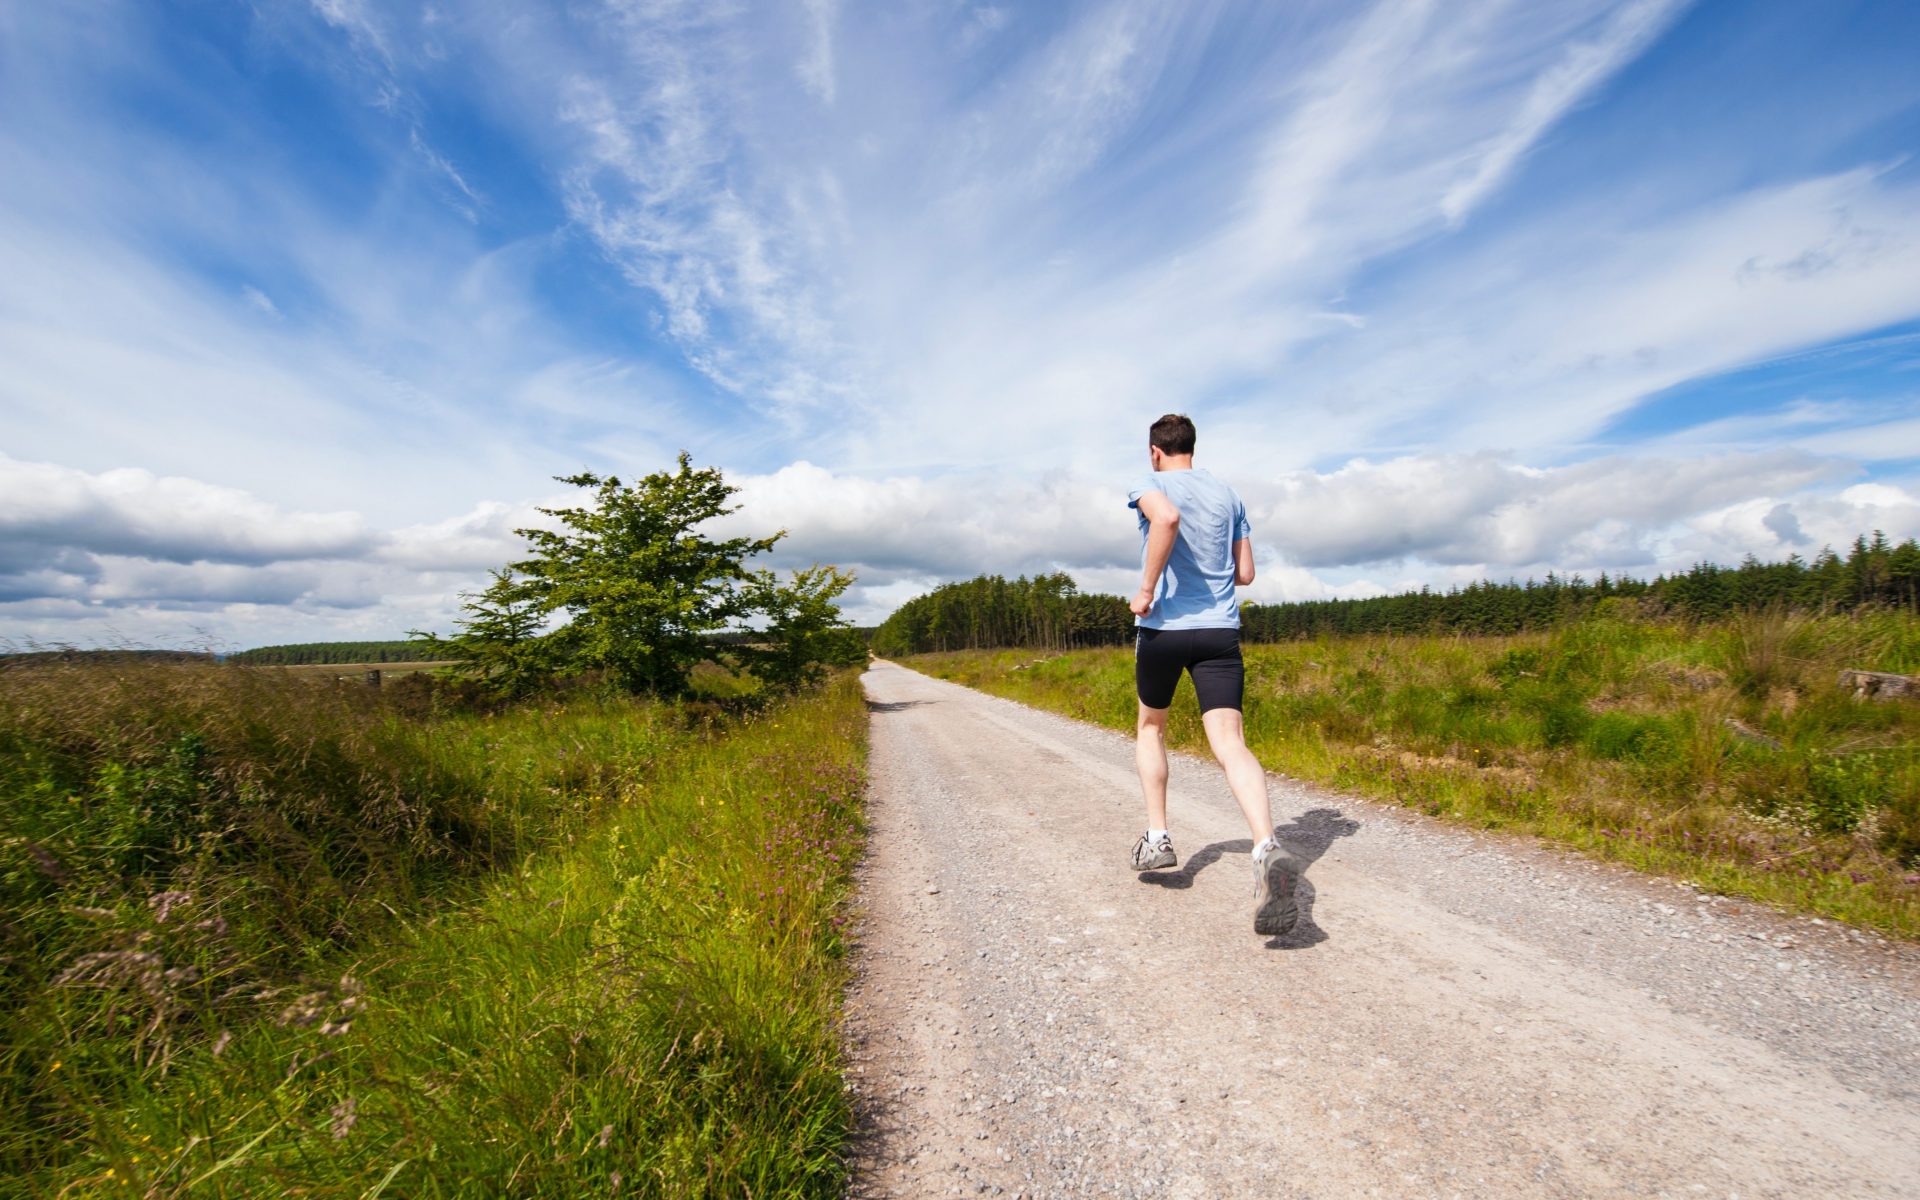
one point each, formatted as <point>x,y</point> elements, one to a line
<point>1183,878</point>
<point>1308,836</point>
<point>894,706</point>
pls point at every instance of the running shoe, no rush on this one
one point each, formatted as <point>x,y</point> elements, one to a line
<point>1276,873</point>
<point>1151,854</point>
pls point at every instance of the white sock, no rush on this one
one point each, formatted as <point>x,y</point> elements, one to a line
<point>1156,835</point>
<point>1262,847</point>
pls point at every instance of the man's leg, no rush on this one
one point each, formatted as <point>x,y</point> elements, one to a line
<point>1158,659</point>
<point>1150,755</point>
<point>1226,734</point>
<point>1276,870</point>
<point>1221,682</point>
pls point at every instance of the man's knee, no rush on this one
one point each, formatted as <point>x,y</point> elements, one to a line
<point>1151,720</point>
<point>1225,730</point>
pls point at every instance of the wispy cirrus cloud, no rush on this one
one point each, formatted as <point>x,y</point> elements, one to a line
<point>1585,64</point>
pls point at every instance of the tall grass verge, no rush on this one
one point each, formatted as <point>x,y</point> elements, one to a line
<point>272,937</point>
<point>1726,754</point>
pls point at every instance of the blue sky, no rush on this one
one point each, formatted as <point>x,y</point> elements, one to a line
<point>304,303</point>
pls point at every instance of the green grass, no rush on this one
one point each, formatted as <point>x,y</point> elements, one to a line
<point>272,937</point>
<point>1723,754</point>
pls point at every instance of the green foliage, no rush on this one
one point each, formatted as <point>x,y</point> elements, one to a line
<point>1874,574</point>
<point>500,638</point>
<point>1045,612</point>
<point>1513,666</point>
<point>1627,737</point>
<point>287,810</point>
<point>1842,790</point>
<point>1048,612</point>
<point>640,585</point>
<point>1561,715</point>
<point>638,593</point>
<point>267,935</point>
<point>804,635</point>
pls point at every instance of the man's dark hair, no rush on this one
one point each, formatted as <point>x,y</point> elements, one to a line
<point>1172,434</point>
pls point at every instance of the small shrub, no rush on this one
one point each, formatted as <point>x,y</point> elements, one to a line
<point>1768,649</point>
<point>1840,791</point>
<point>1562,720</point>
<point>1515,665</point>
<point>1625,737</point>
<point>1899,829</point>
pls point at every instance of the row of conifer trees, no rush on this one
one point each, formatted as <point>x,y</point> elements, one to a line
<point>296,654</point>
<point>1050,612</point>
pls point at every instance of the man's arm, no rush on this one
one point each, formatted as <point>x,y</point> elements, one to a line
<point>1243,561</point>
<point>1163,525</point>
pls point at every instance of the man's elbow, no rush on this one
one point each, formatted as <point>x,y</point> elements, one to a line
<point>1243,577</point>
<point>1166,520</point>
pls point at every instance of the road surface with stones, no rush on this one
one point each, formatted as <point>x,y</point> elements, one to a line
<point>1456,1014</point>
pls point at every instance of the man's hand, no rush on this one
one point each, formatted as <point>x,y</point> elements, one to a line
<point>1142,602</point>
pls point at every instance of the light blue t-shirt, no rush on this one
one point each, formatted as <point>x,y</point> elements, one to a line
<point>1196,589</point>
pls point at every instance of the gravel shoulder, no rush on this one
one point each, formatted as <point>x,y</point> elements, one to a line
<point>1457,1014</point>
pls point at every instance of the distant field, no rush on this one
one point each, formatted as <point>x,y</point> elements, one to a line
<point>345,669</point>
<point>1725,753</point>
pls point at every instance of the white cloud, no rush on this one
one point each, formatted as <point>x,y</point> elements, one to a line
<point>896,283</point>
<point>948,527</point>
<point>117,551</point>
<point>1877,442</point>
<point>1362,529</point>
<point>121,550</point>
<point>1483,354</point>
<point>134,512</point>
<point>1483,509</point>
<point>474,542</point>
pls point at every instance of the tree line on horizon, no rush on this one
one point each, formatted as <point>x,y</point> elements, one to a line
<point>1049,611</point>
<point>301,653</point>
<point>1046,612</point>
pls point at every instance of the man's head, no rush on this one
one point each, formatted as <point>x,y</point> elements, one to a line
<point>1170,437</point>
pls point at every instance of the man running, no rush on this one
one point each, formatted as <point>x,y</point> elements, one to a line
<point>1195,546</point>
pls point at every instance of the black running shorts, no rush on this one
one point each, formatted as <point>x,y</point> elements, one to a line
<point>1211,656</point>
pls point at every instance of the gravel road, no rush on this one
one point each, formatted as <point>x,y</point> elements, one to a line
<point>1457,1014</point>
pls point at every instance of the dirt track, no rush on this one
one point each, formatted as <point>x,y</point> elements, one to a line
<point>1456,1014</point>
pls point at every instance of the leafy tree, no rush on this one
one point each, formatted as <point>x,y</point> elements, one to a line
<point>643,593</point>
<point>804,633</point>
<point>641,585</point>
<point>500,638</point>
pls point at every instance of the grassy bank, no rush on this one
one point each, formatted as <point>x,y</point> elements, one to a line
<point>266,935</point>
<point>1724,754</point>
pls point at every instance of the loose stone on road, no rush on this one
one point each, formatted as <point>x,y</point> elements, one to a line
<point>1455,1015</point>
